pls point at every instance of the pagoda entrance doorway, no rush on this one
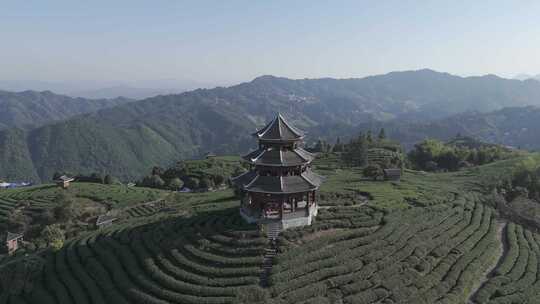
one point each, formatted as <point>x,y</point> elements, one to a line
<point>272,210</point>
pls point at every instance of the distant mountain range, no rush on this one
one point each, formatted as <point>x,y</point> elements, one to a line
<point>124,91</point>
<point>30,109</point>
<point>107,89</point>
<point>128,139</point>
<point>527,77</point>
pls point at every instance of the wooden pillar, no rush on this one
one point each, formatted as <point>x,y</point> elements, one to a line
<point>282,199</point>
<point>310,201</point>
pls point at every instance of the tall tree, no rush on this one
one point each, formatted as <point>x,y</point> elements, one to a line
<point>175,184</point>
<point>362,151</point>
<point>54,236</point>
<point>373,171</point>
<point>369,137</point>
<point>356,151</point>
<point>318,146</point>
<point>338,147</point>
<point>382,134</point>
<point>110,180</point>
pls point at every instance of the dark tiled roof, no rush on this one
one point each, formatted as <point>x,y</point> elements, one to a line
<point>392,172</point>
<point>250,181</point>
<point>268,156</point>
<point>64,178</point>
<point>12,236</point>
<point>297,156</point>
<point>279,130</point>
<point>313,177</point>
<point>274,157</point>
<point>267,184</point>
<point>292,184</point>
<point>305,154</point>
<point>104,219</point>
<point>244,179</point>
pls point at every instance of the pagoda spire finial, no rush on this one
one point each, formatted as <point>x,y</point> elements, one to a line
<point>278,116</point>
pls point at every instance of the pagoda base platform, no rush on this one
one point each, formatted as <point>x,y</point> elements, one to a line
<point>288,220</point>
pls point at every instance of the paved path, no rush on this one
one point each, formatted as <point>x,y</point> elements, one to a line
<point>352,206</point>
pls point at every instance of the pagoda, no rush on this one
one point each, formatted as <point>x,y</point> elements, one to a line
<point>280,186</point>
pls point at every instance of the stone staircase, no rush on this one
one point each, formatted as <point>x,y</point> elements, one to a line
<point>272,232</point>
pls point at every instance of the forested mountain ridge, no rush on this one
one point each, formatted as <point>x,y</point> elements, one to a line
<point>412,94</point>
<point>30,109</point>
<point>517,127</point>
<point>127,140</point>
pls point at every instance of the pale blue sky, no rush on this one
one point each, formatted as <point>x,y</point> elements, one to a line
<point>231,41</point>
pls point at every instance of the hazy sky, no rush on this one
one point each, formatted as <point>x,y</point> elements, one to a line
<point>231,41</point>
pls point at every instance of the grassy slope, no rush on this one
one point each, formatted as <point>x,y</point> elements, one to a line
<point>118,195</point>
<point>93,198</point>
<point>208,167</point>
<point>30,109</point>
<point>425,239</point>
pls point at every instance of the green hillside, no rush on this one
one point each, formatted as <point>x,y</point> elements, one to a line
<point>75,210</point>
<point>513,126</point>
<point>129,139</point>
<point>431,238</point>
<point>15,158</point>
<point>30,109</point>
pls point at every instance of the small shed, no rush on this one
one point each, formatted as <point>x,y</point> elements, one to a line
<point>64,181</point>
<point>105,220</point>
<point>12,241</point>
<point>393,174</point>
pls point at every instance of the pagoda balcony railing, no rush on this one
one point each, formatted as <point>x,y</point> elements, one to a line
<point>271,215</point>
<point>275,214</point>
<point>296,214</point>
<point>301,213</point>
<point>254,216</point>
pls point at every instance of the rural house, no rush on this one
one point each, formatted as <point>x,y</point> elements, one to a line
<point>64,181</point>
<point>105,220</point>
<point>393,174</point>
<point>11,241</point>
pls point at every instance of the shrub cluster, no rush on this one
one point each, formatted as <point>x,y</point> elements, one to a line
<point>461,152</point>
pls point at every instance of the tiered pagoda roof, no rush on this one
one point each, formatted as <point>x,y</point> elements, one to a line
<point>276,150</point>
<point>252,182</point>
<point>274,156</point>
<point>279,130</point>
